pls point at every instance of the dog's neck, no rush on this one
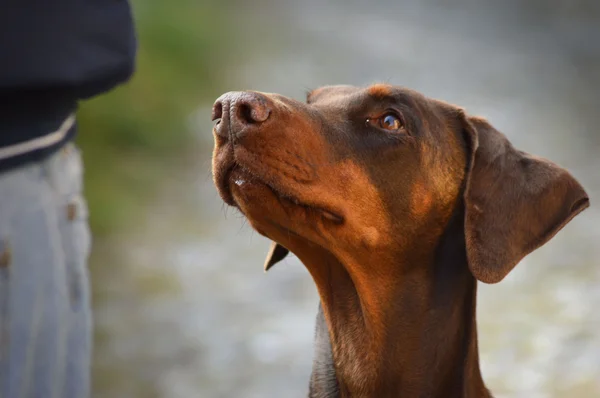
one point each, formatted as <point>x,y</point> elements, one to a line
<point>409,336</point>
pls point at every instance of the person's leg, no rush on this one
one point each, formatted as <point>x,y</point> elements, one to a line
<point>76,245</point>
<point>45,333</point>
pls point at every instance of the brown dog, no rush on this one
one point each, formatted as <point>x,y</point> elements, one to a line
<point>396,204</point>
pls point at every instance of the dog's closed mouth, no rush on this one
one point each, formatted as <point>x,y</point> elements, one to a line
<point>326,214</point>
<point>242,177</point>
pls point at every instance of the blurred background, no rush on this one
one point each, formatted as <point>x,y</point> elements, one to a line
<point>182,306</point>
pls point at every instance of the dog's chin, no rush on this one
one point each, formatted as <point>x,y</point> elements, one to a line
<point>249,194</point>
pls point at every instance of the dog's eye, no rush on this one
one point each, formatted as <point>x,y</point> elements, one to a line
<point>388,122</point>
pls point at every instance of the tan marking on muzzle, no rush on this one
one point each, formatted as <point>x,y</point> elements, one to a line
<point>367,218</point>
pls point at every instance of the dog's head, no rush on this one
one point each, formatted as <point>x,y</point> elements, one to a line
<point>357,171</point>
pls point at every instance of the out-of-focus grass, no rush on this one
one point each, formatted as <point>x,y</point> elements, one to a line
<point>132,135</point>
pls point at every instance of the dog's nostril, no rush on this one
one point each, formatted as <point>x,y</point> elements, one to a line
<point>250,108</point>
<point>217,111</point>
<point>245,113</point>
<point>251,112</point>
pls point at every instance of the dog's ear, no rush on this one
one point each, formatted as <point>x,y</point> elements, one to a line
<point>514,202</point>
<point>275,255</point>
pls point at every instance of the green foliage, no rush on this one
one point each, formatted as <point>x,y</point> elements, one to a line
<point>131,135</point>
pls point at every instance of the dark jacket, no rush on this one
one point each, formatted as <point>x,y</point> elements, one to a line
<point>53,54</point>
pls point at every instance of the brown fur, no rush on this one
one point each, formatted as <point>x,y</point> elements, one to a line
<point>380,90</point>
<point>395,228</point>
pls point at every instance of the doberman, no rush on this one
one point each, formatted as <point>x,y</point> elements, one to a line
<point>397,204</point>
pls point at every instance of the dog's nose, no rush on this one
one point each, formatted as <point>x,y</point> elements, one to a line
<point>238,110</point>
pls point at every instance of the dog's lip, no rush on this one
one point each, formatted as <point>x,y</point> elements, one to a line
<point>327,214</point>
<point>244,176</point>
<point>224,187</point>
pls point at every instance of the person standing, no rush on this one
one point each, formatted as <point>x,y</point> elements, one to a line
<point>54,54</point>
